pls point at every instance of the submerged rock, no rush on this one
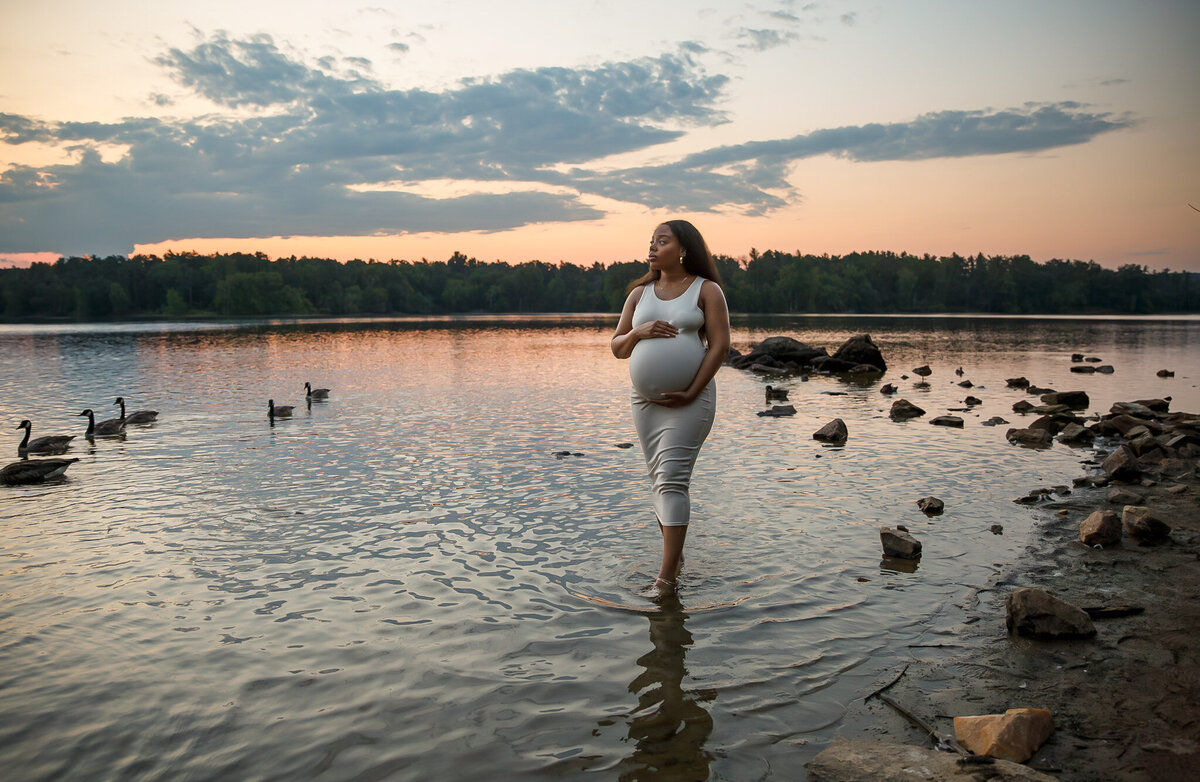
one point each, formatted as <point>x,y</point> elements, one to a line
<point>1014,735</point>
<point>1035,613</point>
<point>994,421</point>
<point>833,432</point>
<point>898,543</point>
<point>931,506</point>
<point>902,409</point>
<point>778,410</point>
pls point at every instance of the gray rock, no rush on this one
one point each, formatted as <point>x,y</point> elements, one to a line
<point>1132,409</point>
<point>902,409</point>
<point>1047,422</point>
<point>1141,523</point>
<point>1077,357</point>
<point>948,420</point>
<point>1030,438</point>
<point>1094,359</point>
<point>1035,613</point>
<point>833,432</point>
<point>788,349</point>
<point>1118,495</point>
<point>972,401</point>
<point>778,410</point>
<point>1154,405</point>
<point>898,543</point>
<point>1075,434</point>
<point>870,760</point>
<point>1101,528</point>
<point>931,506</point>
<point>1076,400</point>
<point>1105,369</point>
<point>1023,406</point>
<point>994,421</point>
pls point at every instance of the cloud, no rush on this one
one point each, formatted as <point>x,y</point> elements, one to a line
<point>762,40</point>
<point>294,147</point>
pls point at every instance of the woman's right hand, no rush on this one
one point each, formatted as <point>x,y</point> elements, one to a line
<point>654,329</point>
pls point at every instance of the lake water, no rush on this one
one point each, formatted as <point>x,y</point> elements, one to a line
<point>406,582</point>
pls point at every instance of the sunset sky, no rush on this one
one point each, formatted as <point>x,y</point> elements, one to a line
<point>564,131</point>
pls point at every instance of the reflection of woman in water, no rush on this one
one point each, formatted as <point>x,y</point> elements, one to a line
<point>670,738</point>
<point>674,329</point>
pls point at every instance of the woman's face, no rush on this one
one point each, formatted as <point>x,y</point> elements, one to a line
<point>665,250</point>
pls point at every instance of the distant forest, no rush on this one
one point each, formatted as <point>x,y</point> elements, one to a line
<point>238,285</point>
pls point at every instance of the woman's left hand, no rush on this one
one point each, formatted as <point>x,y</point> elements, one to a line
<point>674,399</point>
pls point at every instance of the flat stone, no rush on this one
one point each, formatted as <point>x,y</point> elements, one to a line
<point>1083,369</point>
<point>1075,400</point>
<point>1035,613</point>
<point>870,760</point>
<point>779,410</point>
<point>1106,369</point>
<point>947,420</point>
<point>1014,735</point>
<point>1118,495</point>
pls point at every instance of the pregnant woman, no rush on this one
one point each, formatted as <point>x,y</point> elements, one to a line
<point>674,329</point>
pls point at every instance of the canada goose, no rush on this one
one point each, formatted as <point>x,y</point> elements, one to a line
<point>776,394</point>
<point>281,411</point>
<point>315,393</point>
<point>47,444</point>
<point>112,427</point>
<point>137,416</point>
<point>34,470</point>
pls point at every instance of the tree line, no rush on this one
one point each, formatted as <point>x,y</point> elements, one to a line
<point>239,285</point>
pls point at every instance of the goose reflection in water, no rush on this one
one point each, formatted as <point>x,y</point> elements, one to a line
<point>670,726</point>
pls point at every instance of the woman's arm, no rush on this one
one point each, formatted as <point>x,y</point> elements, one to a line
<point>627,336</point>
<point>716,331</point>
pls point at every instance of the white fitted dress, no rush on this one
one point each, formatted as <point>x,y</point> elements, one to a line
<point>671,436</point>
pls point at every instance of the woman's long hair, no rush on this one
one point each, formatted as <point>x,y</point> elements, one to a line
<point>697,259</point>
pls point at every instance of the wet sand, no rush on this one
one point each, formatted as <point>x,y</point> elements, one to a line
<point>1126,703</point>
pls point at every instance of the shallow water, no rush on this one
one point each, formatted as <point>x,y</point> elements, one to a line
<point>406,582</point>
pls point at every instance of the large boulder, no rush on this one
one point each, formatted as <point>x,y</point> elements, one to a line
<point>859,349</point>
<point>788,349</point>
<point>1014,735</point>
<point>1035,613</point>
<point>871,760</point>
<point>833,432</point>
<point>1102,528</point>
<point>903,409</point>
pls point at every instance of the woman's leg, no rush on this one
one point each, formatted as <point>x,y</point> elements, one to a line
<point>672,558</point>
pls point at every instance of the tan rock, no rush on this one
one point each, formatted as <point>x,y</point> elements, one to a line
<point>1102,528</point>
<point>1014,735</point>
<point>1141,523</point>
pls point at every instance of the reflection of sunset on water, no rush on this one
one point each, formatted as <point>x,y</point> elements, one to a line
<point>410,566</point>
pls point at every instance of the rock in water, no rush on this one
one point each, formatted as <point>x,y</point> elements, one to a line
<point>869,760</point>
<point>1140,523</point>
<point>902,408</point>
<point>1014,735</point>
<point>1102,528</point>
<point>923,371</point>
<point>1165,373</point>
<point>1032,438</point>
<point>859,349</point>
<point>948,420</point>
<point>788,349</point>
<point>1035,613</point>
<point>897,543</point>
<point>779,410</point>
<point>931,505</point>
<point>1121,465</point>
<point>1076,400</point>
<point>833,432</point>
<point>887,388</point>
<point>1017,382</point>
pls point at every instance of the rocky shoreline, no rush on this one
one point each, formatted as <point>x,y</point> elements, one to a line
<point>1123,684</point>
